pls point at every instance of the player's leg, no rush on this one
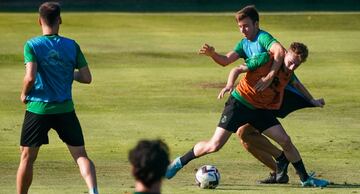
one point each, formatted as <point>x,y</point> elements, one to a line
<point>278,134</point>
<point>69,130</point>
<point>245,134</point>
<point>235,114</point>
<point>86,166</point>
<point>202,148</point>
<point>267,160</point>
<point>216,142</point>
<point>33,134</point>
<point>25,171</point>
<point>262,149</point>
<point>258,145</point>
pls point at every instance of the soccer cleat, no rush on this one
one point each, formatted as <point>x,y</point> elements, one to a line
<point>284,179</point>
<point>281,171</point>
<point>173,168</point>
<point>314,182</point>
<point>272,179</point>
<point>269,180</point>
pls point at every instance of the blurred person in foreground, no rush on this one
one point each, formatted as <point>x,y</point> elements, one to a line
<point>149,160</point>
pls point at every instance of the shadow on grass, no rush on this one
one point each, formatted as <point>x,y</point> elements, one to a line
<point>345,185</point>
<point>258,186</point>
<point>229,187</point>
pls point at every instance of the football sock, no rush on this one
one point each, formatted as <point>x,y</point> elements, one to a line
<point>187,157</point>
<point>300,168</point>
<point>282,158</point>
<point>93,191</point>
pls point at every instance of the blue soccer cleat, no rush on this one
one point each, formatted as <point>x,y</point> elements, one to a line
<point>173,168</point>
<point>314,182</point>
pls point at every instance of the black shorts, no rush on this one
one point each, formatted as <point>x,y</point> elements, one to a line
<point>36,127</point>
<point>236,114</point>
<point>291,102</point>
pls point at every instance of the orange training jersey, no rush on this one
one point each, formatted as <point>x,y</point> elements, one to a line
<point>271,97</point>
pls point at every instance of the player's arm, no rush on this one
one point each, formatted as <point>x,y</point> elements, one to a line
<point>301,88</point>
<point>83,74</point>
<point>29,80</point>
<point>251,64</point>
<point>233,75</point>
<point>30,71</point>
<point>279,53</point>
<point>222,60</point>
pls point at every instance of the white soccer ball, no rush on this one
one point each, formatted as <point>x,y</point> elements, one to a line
<point>207,177</point>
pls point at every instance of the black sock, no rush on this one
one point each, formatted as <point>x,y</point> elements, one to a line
<point>282,158</point>
<point>300,168</point>
<point>187,157</point>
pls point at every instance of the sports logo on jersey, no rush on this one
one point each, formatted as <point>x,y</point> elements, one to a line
<point>52,58</point>
<point>223,119</point>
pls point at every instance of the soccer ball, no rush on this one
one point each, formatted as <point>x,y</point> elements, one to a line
<point>207,177</point>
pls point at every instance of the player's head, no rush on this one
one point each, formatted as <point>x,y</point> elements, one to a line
<point>296,54</point>
<point>248,21</point>
<point>50,13</point>
<point>149,160</point>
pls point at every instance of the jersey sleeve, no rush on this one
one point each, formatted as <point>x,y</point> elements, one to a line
<point>29,55</point>
<point>239,50</point>
<point>80,58</point>
<point>257,61</point>
<point>266,40</point>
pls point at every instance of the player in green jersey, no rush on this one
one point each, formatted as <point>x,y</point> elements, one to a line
<point>51,62</point>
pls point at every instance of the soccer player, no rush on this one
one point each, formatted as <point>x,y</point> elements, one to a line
<point>50,63</point>
<point>149,160</point>
<point>256,41</point>
<point>263,149</point>
<point>246,105</point>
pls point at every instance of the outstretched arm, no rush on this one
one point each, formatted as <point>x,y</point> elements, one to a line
<point>222,60</point>
<point>29,80</point>
<point>233,75</point>
<point>83,75</point>
<point>316,102</point>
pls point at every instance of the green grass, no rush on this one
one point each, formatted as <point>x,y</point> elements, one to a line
<point>149,82</point>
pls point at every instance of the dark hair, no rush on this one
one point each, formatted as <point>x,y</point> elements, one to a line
<point>300,50</point>
<point>49,12</point>
<point>150,159</point>
<point>248,11</point>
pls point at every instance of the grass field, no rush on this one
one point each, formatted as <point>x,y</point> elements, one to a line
<point>149,82</point>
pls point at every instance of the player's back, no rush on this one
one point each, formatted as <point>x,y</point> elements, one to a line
<point>56,61</point>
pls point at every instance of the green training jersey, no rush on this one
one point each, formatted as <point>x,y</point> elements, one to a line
<point>249,48</point>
